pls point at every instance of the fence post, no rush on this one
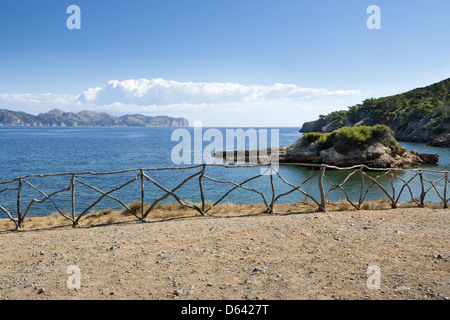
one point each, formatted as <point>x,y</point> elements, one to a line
<point>201,188</point>
<point>19,209</point>
<point>142,194</point>
<point>73,196</point>
<point>273,190</point>
<point>361,170</point>
<point>322,193</point>
<point>422,194</point>
<point>445,191</point>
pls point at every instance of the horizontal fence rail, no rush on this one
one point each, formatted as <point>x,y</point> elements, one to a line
<point>143,176</point>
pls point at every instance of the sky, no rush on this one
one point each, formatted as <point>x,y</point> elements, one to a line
<point>248,63</point>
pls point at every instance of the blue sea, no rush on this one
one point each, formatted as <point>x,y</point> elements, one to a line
<point>48,150</point>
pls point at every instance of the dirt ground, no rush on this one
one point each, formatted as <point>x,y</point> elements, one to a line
<point>286,257</point>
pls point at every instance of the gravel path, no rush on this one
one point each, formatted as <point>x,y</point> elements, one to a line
<point>295,256</point>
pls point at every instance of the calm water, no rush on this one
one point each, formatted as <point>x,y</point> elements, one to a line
<point>42,150</point>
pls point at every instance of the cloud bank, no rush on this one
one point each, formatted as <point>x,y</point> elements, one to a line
<point>217,104</point>
<point>162,92</point>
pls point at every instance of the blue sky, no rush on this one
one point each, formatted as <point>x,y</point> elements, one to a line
<point>226,63</point>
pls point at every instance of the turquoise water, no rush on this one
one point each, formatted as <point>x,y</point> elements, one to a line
<point>46,150</point>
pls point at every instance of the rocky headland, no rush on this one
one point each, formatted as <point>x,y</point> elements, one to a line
<point>373,146</point>
<point>420,115</point>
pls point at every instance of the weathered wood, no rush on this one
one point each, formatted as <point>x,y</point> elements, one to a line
<point>310,165</point>
<point>77,220</point>
<point>334,187</point>
<point>433,185</point>
<point>202,195</point>
<point>270,210</point>
<point>142,194</point>
<point>6,189</point>
<point>360,201</point>
<point>109,196</point>
<point>19,208</point>
<point>392,185</point>
<point>445,191</point>
<point>373,184</point>
<point>422,194</point>
<point>393,204</point>
<point>153,205</point>
<point>410,191</point>
<point>46,197</point>
<point>298,188</point>
<point>175,196</point>
<point>321,192</point>
<point>394,197</point>
<point>16,223</point>
<point>73,196</point>
<point>237,185</point>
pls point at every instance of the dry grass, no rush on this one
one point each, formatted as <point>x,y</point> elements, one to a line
<point>52,220</point>
<point>175,210</point>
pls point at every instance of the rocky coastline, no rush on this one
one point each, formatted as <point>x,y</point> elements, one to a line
<point>419,115</point>
<point>375,152</point>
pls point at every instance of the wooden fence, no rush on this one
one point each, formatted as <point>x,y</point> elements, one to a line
<point>143,176</point>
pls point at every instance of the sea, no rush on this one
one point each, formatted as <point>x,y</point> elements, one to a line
<point>48,150</point>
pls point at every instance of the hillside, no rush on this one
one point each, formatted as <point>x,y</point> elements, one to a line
<point>59,118</point>
<point>419,115</point>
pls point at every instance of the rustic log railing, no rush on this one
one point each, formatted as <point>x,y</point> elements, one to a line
<point>144,175</point>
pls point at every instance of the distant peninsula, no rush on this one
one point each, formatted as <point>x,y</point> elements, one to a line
<point>60,118</point>
<point>419,115</point>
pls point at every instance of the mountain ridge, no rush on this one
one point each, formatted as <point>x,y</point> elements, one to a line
<point>86,118</point>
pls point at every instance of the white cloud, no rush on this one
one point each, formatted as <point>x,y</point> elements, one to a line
<point>216,104</point>
<point>36,102</point>
<point>163,92</point>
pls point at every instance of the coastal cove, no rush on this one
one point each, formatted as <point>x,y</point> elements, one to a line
<point>47,150</point>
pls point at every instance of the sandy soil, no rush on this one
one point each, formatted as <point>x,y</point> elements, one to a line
<point>292,256</point>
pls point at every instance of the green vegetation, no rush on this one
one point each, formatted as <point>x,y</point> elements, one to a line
<point>430,102</point>
<point>402,112</point>
<point>312,136</point>
<point>348,138</point>
<point>337,116</point>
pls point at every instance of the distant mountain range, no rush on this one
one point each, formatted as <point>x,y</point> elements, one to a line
<point>59,118</point>
<point>419,115</point>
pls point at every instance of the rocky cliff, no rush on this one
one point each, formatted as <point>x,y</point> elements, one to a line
<point>419,115</point>
<point>59,118</point>
<point>373,146</point>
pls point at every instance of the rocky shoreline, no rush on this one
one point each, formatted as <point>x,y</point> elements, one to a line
<point>375,152</point>
<point>372,159</point>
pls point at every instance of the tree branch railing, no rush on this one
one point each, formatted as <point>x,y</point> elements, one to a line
<point>144,176</point>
